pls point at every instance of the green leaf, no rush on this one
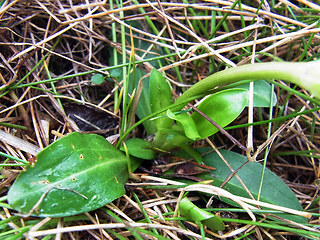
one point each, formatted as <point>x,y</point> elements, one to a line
<point>140,148</point>
<point>159,90</point>
<point>193,213</point>
<point>222,107</point>
<point>97,78</point>
<point>75,174</point>
<point>274,190</point>
<point>144,108</point>
<point>187,123</point>
<point>160,97</point>
<point>116,72</point>
<point>141,47</point>
<point>194,154</point>
<point>261,94</point>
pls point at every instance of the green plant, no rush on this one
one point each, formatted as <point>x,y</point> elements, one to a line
<point>77,168</point>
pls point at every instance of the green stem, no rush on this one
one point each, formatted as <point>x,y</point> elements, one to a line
<point>303,74</point>
<point>306,75</point>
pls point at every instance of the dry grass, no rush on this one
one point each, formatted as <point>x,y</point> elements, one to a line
<point>71,41</point>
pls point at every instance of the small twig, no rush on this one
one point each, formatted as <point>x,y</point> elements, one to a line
<point>37,203</point>
<point>233,172</point>
<point>19,143</point>
<point>270,140</point>
<point>45,194</point>
<point>310,4</point>
<point>250,102</point>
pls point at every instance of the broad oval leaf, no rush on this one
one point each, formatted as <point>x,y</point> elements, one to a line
<point>97,78</point>
<point>274,190</point>
<point>222,107</point>
<point>75,174</point>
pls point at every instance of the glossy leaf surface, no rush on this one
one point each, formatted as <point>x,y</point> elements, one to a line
<point>274,190</point>
<point>222,107</point>
<point>75,174</point>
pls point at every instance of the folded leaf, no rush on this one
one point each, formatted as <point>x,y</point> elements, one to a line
<point>193,213</point>
<point>189,126</point>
